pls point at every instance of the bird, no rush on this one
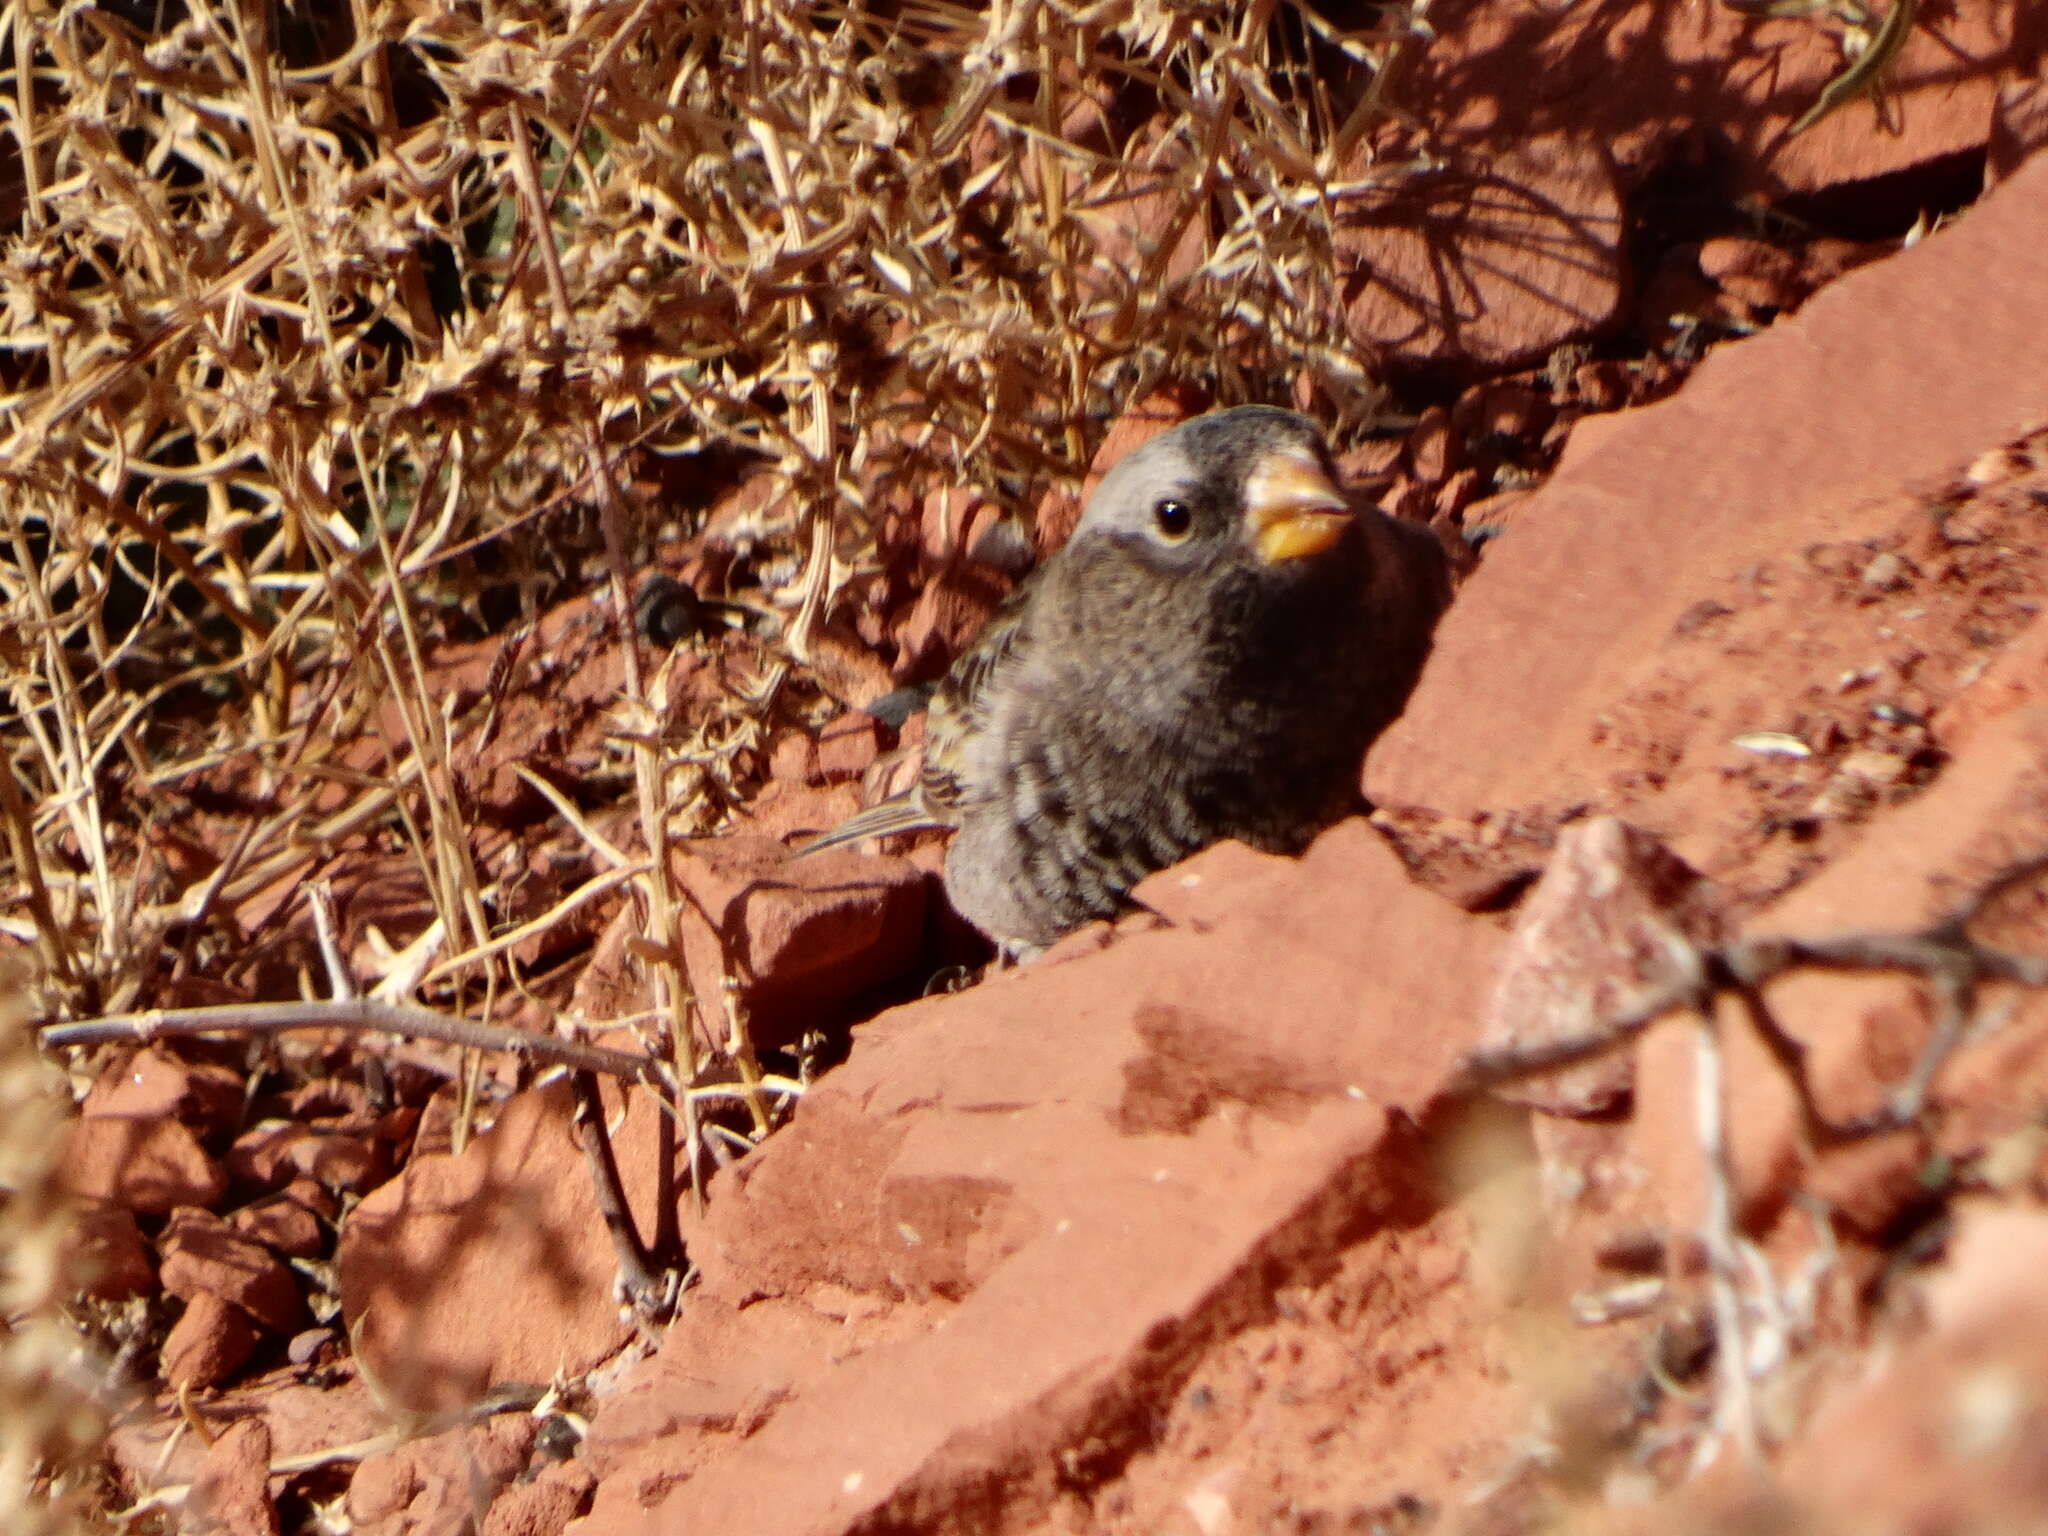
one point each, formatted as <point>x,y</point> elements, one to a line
<point>1208,656</point>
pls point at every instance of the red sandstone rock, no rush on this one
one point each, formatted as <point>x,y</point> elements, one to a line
<point>113,1262</point>
<point>207,1344</point>
<point>950,610</point>
<point>1607,921</point>
<point>948,511</point>
<point>440,1485</point>
<point>1645,86</point>
<point>1204,890</point>
<point>282,1225</point>
<point>847,747</point>
<point>798,936</point>
<point>542,1507</point>
<point>1862,1034</point>
<point>202,1253</point>
<point>1433,449</point>
<point>493,1265</point>
<point>231,1495</point>
<point>1578,603</point>
<point>273,1153</point>
<point>1505,409</point>
<point>147,1165</point>
<point>305,1419</point>
<point>150,1084</point>
<point>1455,495</point>
<point>999,1154</point>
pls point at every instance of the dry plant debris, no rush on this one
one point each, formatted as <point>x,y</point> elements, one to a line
<point>332,335</point>
<point>1946,956</point>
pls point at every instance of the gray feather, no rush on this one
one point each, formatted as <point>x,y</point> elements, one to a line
<point>899,813</point>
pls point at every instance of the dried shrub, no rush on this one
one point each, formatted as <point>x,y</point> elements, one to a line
<point>330,330</point>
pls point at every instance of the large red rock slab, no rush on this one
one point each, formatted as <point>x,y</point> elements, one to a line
<point>149,1165</point>
<point>1074,1178</point>
<point>201,1253</point>
<point>1790,440</point>
<point>1507,237</point>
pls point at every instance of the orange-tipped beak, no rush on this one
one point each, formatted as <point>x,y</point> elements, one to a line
<point>1292,508</point>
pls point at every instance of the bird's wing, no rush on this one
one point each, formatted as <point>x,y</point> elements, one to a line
<point>962,706</point>
<point>959,712</point>
<point>899,813</point>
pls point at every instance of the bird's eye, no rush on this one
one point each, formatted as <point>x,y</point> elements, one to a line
<point>1173,520</point>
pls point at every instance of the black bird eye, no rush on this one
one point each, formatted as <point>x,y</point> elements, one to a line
<point>1173,519</point>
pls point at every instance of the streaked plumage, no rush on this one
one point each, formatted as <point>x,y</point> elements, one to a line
<point>1208,657</point>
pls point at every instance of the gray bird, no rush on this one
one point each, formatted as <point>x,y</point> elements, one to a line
<point>1207,657</point>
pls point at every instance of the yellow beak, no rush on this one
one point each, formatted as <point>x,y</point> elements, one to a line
<point>1292,509</point>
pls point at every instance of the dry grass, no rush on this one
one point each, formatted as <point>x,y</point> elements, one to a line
<point>292,390</point>
<point>336,332</point>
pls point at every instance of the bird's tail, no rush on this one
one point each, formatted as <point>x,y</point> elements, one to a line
<point>899,813</point>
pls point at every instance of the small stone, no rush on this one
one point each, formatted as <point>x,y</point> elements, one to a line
<point>1457,493</point>
<point>282,1225</point>
<point>1753,271</point>
<point>273,1153</point>
<point>203,1253</point>
<point>804,934</point>
<point>1602,386</point>
<point>147,1165</point>
<point>1886,572</point>
<point>231,1494</point>
<point>1408,500</point>
<point>305,1347</point>
<point>948,511</point>
<point>1843,797</point>
<point>207,1344</point>
<point>1597,930</point>
<point>1504,411</point>
<point>947,614</point>
<point>1432,446</point>
<point>846,747</point>
<point>112,1260</point>
<point>1996,467</point>
<point>1875,767</point>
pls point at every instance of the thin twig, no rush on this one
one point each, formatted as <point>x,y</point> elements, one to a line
<point>359,1014</point>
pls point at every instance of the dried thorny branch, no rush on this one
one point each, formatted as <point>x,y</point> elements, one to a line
<point>1953,963</point>
<point>359,1015</point>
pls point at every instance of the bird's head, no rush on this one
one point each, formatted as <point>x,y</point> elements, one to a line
<point>1248,486</point>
